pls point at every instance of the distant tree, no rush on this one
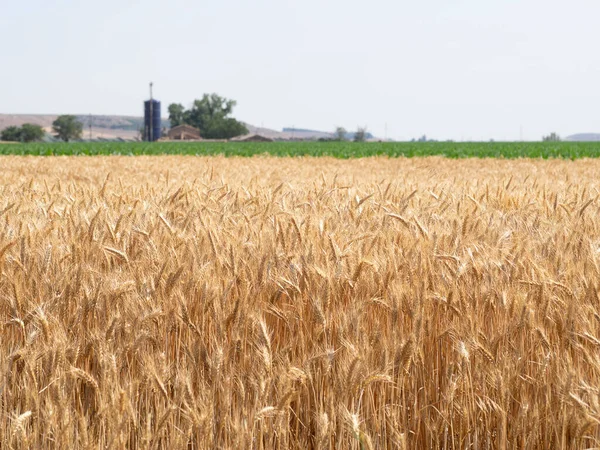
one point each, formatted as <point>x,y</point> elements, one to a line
<point>67,127</point>
<point>12,134</point>
<point>360,135</point>
<point>26,133</point>
<point>340,134</point>
<point>176,114</point>
<point>223,128</point>
<point>31,132</point>
<point>552,137</point>
<point>210,115</point>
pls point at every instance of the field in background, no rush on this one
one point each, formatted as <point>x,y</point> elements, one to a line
<point>176,302</point>
<point>568,150</point>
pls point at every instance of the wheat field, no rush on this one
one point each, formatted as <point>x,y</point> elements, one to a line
<point>271,303</point>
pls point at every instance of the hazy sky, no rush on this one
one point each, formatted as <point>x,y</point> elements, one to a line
<point>449,69</point>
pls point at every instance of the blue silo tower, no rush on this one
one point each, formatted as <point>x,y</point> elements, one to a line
<point>152,129</point>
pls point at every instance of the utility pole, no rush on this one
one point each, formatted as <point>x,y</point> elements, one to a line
<point>90,127</point>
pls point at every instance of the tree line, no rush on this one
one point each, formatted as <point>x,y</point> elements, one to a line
<point>341,134</point>
<point>66,127</point>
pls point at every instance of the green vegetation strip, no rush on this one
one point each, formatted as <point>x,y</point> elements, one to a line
<point>570,150</point>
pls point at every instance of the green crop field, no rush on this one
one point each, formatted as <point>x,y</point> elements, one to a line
<point>570,150</point>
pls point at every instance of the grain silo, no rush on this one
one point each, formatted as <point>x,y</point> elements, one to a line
<point>152,129</point>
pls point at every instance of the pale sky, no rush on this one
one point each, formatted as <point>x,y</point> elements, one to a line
<point>452,69</point>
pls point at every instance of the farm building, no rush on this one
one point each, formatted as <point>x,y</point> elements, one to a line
<point>184,133</point>
<point>252,138</point>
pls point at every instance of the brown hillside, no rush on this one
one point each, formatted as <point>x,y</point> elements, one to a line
<point>105,130</point>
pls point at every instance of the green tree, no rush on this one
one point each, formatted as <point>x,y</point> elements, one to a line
<point>210,115</point>
<point>176,114</point>
<point>12,134</point>
<point>552,137</point>
<point>340,134</point>
<point>223,128</point>
<point>360,135</point>
<point>67,127</point>
<point>31,132</point>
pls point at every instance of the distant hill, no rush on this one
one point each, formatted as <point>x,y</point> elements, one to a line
<point>314,134</point>
<point>103,127</point>
<point>115,122</point>
<point>110,127</point>
<point>302,133</point>
<point>127,127</point>
<point>584,137</point>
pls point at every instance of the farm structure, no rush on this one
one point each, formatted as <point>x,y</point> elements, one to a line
<point>184,133</point>
<point>152,120</point>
